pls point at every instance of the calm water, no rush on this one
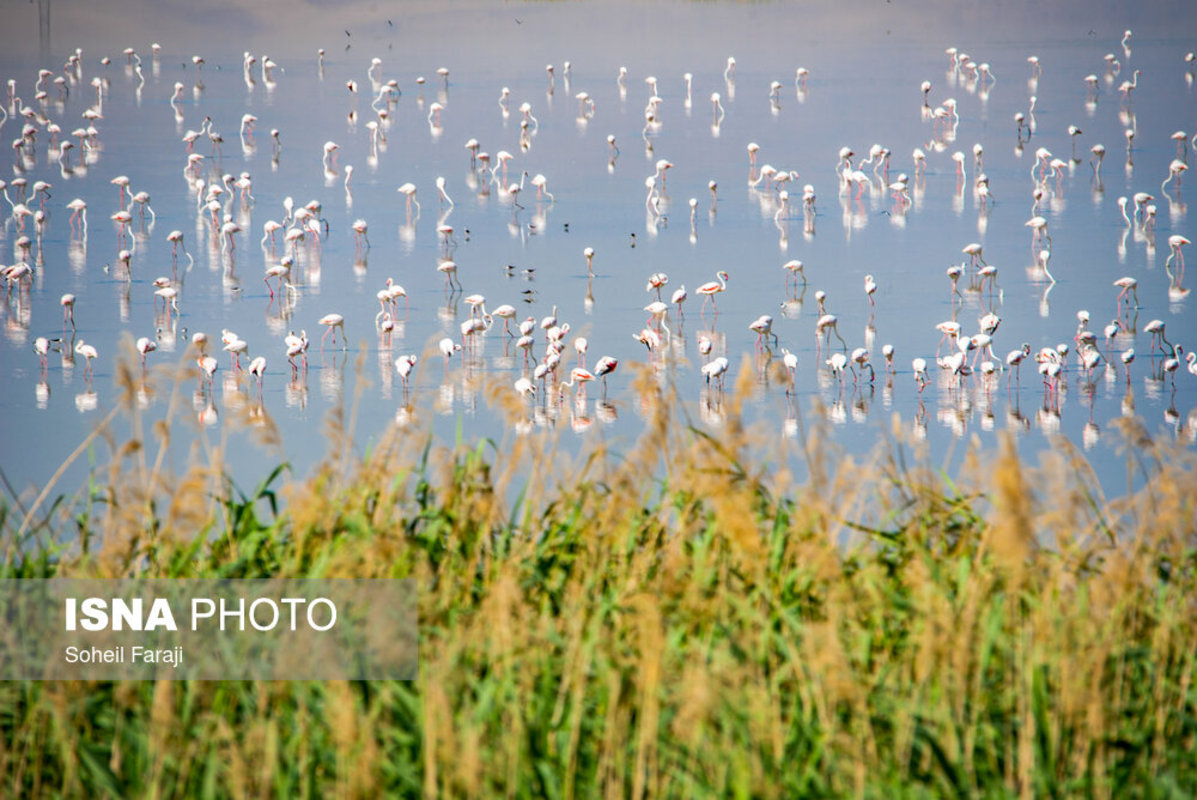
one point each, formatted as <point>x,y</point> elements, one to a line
<point>863,88</point>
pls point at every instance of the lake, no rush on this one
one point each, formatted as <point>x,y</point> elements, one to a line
<point>464,70</point>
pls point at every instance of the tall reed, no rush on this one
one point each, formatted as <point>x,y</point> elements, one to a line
<point>684,618</point>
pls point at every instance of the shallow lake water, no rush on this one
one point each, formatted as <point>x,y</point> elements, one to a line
<point>862,87</point>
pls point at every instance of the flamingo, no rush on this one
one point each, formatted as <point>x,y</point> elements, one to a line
<point>145,346</point>
<point>360,229</point>
<point>405,365</point>
<point>526,110</point>
<point>655,282</point>
<point>122,218</point>
<point>330,156</point>
<point>477,304</point>
<point>887,352</point>
<point>281,271</point>
<point>711,288</point>
<point>1156,329</point>
<point>449,270</point>
<point>1141,200</point>
<point>556,334</point>
<point>988,273</point>
<point>1128,357</point>
<point>657,311</point>
<point>605,366</point>
<point>176,241</point>
<point>549,320</point>
<point>1176,242</point>
<point>505,312</point>
<point>525,387</point>
<point>235,346</point>
<point>827,324</point>
<point>525,343</point>
<point>950,330</point>
<point>442,194</point>
<point>794,267</point>
<point>790,361</point>
<point>447,347</point>
<point>501,159</point>
<point>1044,257</point>
<point>88,352</point>
<point>473,326</point>
<point>989,323</point>
<point>68,310</point>
<point>651,340</point>
<point>395,291</point>
<point>717,109</point>
<point>257,368</point>
<point>142,199</point>
<point>579,375</point>
<point>1174,171</point>
<point>386,328</point>
<point>715,369</point>
<point>1127,284</point>
<point>199,340</point>
<point>78,217</point>
<point>333,322</point>
<point>860,356</point>
<point>679,297</point>
<point>122,181</point>
<point>296,346</point>
<point>581,345</point>
<point>919,365</point>
<point>190,137</point>
<point>1090,359</point>
<point>763,326</point>
<point>838,362</point>
<point>975,255</point>
<point>541,183</point>
<point>227,230</point>
<point>1050,367</point>
<point>1182,144</point>
<point>1038,226</point>
<point>1172,363</point>
<point>434,116</point>
<point>208,365</point>
<point>1015,358</point>
<point>409,191</point>
<point>41,346</point>
<point>1129,86</point>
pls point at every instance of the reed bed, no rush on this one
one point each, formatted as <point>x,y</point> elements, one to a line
<point>684,618</point>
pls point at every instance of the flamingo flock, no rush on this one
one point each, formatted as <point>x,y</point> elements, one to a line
<point>543,363</point>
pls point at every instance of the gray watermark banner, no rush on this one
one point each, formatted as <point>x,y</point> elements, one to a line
<point>271,629</point>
